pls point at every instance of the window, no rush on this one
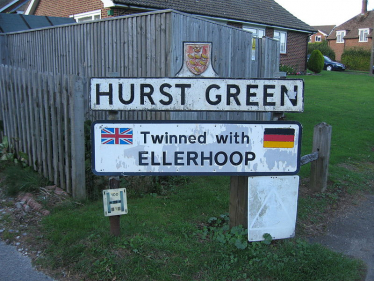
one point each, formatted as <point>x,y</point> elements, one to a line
<point>318,38</point>
<point>89,16</point>
<point>363,34</point>
<point>257,32</point>
<point>282,37</point>
<point>340,36</point>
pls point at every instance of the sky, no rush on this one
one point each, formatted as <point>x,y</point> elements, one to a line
<point>324,12</point>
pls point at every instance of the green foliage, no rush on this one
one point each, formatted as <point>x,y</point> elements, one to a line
<point>316,61</point>
<point>6,150</point>
<point>356,59</point>
<point>290,70</point>
<point>323,47</point>
<point>161,240</point>
<point>19,179</point>
<point>8,153</point>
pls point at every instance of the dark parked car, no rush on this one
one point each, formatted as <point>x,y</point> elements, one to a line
<point>332,65</point>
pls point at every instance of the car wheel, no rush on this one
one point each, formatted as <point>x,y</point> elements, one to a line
<point>329,68</point>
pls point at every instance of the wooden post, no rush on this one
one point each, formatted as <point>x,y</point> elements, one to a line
<point>77,139</point>
<point>320,167</point>
<point>238,209</point>
<point>114,221</point>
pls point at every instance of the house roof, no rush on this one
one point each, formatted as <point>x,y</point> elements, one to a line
<point>12,6</point>
<point>17,22</point>
<point>354,24</point>
<point>325,29</point>
<point>266,12</point>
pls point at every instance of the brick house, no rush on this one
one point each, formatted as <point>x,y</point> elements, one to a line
<point>356,32</point>
<point>262,18</point>
<point>322,33</point>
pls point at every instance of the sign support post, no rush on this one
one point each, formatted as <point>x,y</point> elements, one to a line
<point>114,221</point>
<point>238,213</point>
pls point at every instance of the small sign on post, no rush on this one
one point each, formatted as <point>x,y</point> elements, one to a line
<point>272,207</point>
<point>115,202</point>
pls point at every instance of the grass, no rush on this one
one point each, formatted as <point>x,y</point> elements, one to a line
<point>172,238</point>
<point>181,232</point>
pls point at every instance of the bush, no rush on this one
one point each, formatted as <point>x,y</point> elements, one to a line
<point>323,47</point>
<point>289,69</point>
<point>356,59</point>
<point>316,61</point>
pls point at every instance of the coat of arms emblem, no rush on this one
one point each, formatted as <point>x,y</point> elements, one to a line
<point>197,57</point>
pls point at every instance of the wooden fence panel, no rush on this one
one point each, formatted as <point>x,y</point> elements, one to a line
<point>43,116</point>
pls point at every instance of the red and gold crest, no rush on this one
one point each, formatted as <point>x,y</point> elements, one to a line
<point>197,57</point>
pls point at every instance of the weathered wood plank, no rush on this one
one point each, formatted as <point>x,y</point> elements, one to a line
<point>320,168</point>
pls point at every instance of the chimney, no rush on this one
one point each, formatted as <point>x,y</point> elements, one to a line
<point>364,7</point>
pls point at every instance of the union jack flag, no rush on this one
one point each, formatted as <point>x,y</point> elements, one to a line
<point>116,136</point>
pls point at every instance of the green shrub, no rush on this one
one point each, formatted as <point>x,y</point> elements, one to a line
<point>356,59</point>
<point>323,47</point>
<point>315,62</point>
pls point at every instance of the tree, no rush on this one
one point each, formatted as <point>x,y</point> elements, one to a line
<point>316,61</point>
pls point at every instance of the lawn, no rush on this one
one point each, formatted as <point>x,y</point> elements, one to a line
<point>178,229</point>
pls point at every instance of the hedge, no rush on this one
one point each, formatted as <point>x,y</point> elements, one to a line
<point>356,59</point>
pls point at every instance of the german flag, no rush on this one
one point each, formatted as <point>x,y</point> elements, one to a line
<point>279,138</point>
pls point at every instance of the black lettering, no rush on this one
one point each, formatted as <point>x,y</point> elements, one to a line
<point>232,158</point>
<point>202,138</point>
<point>284,91</point>
<point>147,94</point>
<point>250,95</point>
<point>245,138</point>
<point>192,139</point>
<point>233,95</point>
<point>168,95</point>
<point>221,138</point>
<point>153,162</point>
<point>173,138</point>
<point>120,94</point>
<point>206,158</point>
<point>218,100</point>
<point>192,156</point>
<point>224,158</point>
<point>157,138</point>
<point>145,136</point>
<point>249,156</point>
<point>183,91</point>
<point>183,138</point>
<point>236,135</point>
<point>142,158</point>
<point>164,159</point>
<point>178,158</point>
<point>268,95</point>
<point>100,94</point>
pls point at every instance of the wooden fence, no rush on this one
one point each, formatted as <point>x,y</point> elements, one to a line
<point>45,74</point>
<point>43,116</point>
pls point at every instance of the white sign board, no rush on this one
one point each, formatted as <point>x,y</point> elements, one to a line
<point>272,207</point>
<point>115,202</point>
<point>191,148</point>
<point>199,94</point>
